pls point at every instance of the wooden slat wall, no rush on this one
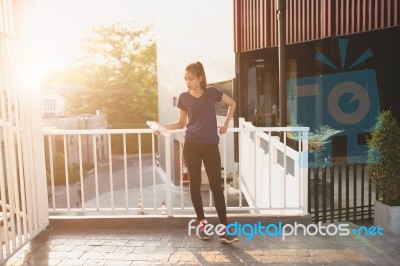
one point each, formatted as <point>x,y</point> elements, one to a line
<point>256,25</point>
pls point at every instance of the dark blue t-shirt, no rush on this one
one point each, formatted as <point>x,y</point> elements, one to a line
<point>202,120</point>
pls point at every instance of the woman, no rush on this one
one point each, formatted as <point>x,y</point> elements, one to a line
<point>197,113</point>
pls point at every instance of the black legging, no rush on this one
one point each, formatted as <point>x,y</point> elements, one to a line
<point>194,154</point>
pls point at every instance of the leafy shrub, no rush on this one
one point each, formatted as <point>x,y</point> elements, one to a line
<point>59,171</point>
<point>384,159</point>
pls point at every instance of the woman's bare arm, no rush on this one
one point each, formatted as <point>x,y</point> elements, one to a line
<point>231,109</point>
<point>181,123</point>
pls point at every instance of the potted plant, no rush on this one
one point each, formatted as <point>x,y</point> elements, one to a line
<point>317,141</point>
<point>384,171</point>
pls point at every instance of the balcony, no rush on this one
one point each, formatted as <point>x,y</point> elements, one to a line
<point>131,171</point>
<point>128,173</point>
<point>98,217</point>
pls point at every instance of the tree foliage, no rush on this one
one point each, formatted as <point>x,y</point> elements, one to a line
<point>117,74</point>
<point>384,159</point>
<point>60,173</point>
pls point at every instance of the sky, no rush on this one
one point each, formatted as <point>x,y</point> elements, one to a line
<point>59,26</point>
<point>196,30</point>
<point>186,31</point>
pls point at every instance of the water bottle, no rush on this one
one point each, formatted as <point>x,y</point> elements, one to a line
<point>155,127</point>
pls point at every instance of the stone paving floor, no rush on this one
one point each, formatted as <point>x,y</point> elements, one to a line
<point>173,246</point>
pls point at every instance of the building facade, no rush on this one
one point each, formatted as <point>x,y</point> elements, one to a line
<point>341,67</point>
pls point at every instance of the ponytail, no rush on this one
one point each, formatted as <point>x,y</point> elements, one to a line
<point>197,69</point>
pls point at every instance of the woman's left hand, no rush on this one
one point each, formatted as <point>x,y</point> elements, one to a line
<point>222,129</point>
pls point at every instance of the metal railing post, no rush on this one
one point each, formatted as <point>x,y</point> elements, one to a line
<point>168,173</point>
<point>306,172</point>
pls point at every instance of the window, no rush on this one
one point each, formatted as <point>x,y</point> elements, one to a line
<point>49,107</point>
<point>227,88</point>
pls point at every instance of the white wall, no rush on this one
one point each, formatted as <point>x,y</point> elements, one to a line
<point>188,31</point>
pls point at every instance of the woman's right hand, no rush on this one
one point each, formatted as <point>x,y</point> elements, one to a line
<point>156,127</point>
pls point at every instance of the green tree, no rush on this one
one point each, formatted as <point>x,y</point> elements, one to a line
<point>117,74</point>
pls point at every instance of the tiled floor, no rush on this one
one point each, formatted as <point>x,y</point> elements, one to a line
<point>173,246</point>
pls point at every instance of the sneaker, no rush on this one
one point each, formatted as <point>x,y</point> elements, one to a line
<point>202,235</point>
<point>227,239</point>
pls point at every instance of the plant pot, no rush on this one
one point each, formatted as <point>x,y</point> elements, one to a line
<point>388,217</point>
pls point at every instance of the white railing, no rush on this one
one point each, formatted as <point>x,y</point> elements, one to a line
<point>274,175</point>
<point>146,174</point>
<point>23,205</point>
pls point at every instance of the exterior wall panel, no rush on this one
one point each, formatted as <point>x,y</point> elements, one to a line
<point>256,24</point>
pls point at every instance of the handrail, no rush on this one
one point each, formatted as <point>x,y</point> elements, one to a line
<point>142,194</point>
